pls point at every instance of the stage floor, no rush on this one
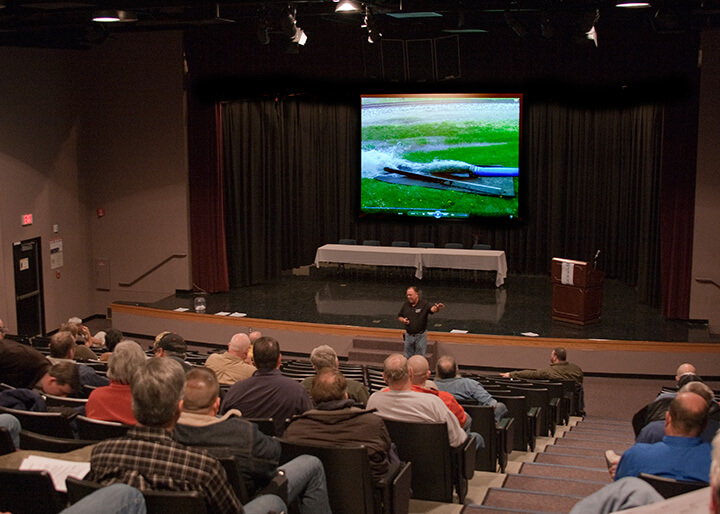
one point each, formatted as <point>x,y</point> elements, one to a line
<point>368,299</point>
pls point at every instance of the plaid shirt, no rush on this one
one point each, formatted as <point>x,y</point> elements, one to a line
<point>148,459</point>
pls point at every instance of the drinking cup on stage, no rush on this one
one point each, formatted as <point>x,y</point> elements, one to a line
<point>200,304</point>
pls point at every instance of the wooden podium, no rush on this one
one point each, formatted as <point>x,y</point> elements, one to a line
<point>577,291</point>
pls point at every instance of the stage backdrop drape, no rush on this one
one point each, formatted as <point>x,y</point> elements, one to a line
<point>593,182</point>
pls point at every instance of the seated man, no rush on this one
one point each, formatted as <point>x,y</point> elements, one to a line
<point>60,379</point>
<point>112,337</point>
<point>681,455</point>
<point>267,394</point>
<point>173,346</point>
<point>325,357</point>
<point>147,458</point>
<point>258,454</point>
<point>232,366</point>
<point>335,421</point>
<point>629,492</point>
<point>81,335</point>
<point>654,431</point>
<point>401,403</point>
<point>464,389</point>
<point>114,402</point>
<point>62,348</point>
<point>559,369</point>
<point>22,365</point>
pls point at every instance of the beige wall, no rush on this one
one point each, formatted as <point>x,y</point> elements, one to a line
<point>86,129</point>
<point>705,298</point>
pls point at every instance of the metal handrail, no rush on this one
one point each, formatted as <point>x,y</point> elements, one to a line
<point>707,281</point>
<point>132,283</point>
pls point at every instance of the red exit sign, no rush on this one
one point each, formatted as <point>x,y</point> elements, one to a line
<point>27,219</point>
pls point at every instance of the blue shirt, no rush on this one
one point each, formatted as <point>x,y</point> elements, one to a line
<point>465,389</point>
<point>681,458</point>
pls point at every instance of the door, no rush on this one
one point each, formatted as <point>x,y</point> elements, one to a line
<point>29,301</point>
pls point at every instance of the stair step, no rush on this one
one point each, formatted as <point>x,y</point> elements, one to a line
<point>544,502</point>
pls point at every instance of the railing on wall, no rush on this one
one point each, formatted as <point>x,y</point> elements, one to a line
<point>152,270</point>
<point>707,281</point>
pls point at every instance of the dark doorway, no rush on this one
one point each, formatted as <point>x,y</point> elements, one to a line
<point>29,300</point>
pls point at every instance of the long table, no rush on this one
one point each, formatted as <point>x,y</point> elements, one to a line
<point>418,258</point>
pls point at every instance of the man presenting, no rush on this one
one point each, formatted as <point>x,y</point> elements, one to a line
<point>414,315</point>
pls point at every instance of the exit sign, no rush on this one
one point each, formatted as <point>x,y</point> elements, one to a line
<point>27,219</point>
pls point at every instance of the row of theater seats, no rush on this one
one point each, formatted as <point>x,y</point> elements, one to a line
<point>421,244</point>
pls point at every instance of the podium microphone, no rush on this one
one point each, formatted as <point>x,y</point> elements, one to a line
<point>595,259</point>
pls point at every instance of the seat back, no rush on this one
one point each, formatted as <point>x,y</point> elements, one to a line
<point>517,409</point>
<point>538,397</point>
<point>48,443</point>
<point>426,245</point>
<point>669,487</point>
<point>48,423</point>
<point>6,442</point>
<point>456,246</point>
<point>157,502</point>
<point>371,242</point>
<point>483,423</point>
<point>432,464</point>
<point>28,492</point>
<point>265,425</point>
<point>401,243</point>
<point>62,401</point>
<point>347,471</point>
<point>98,430</point>
<point>347,242</point>
<point>481,246</point>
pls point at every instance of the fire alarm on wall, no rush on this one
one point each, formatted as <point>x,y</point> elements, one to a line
<point>100,212</point>
<point>26,219</point>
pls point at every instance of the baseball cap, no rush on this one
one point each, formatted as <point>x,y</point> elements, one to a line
<point>172,343</point>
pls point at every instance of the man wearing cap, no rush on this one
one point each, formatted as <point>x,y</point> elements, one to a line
<point>172,345</point>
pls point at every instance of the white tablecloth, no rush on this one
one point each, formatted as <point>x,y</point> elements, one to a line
<point>417,258</point>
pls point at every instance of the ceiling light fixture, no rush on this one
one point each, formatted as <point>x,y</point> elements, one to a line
<point>113,16</point>
<point>633,5</point>
<point>347,6</point>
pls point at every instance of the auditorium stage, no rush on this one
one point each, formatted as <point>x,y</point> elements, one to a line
<point>332,306</point>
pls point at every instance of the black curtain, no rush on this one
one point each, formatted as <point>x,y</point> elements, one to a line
<point>592,176</point>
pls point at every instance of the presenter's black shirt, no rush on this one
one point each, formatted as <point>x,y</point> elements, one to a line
<point>417,315</point>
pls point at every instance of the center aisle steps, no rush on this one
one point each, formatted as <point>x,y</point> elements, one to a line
<point>569,468</point>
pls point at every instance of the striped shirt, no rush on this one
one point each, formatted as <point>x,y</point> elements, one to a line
<point>148,459</point>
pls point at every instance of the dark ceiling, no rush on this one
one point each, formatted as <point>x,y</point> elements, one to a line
<point>42,23</point>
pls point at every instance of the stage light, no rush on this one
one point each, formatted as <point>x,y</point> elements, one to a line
<point>113,16</point>
<point>633,5</point>
<point>373,30</point>
<point>296,36</point>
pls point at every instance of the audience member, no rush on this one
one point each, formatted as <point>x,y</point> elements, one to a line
<point>3,330</point>
<point>254,336</point>
<point>419,370</point>
<point>231,366</point>
<point>112,337</point>
<point>114,402</point>
<point>173,346</point>
<point>267,394</point>
<point>22,365</point>
<point>654,431</point>
<point>62,348</point>
<point>559,369</point>
<point>401,403</point>
<point>12,425</point>
<point>324,357</point>
<point>336,421</point>
<point>81,335</point>
<point>682,454</point>
<point>630,492</point>
<point>147,457</point>
<point>414,314</point>
<point>464,389</point>
<point>655,410</point>
<point>258,454</point>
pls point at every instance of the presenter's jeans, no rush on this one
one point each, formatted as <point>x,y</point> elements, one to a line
<point>415,344</point>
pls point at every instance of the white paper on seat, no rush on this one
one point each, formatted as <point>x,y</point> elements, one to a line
<point>566,275</point>
<point>59,469</point>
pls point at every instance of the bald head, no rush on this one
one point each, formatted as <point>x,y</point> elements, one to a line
<point>239,345</point>
<point>684,369</point>
<point>396,373</point>
<point>3,330</point>
<point>687,415</point>
<point>255,335</point>
<point>202,391</point>
<point>419,369</point>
